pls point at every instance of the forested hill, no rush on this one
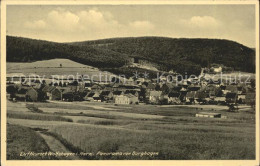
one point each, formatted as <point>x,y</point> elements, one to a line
<point>29,50</point>
<point>181,55</point>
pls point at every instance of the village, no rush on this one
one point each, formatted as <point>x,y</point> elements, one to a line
<point>196,90</point>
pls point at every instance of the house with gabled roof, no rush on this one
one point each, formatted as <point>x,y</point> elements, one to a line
<point>229,89</point>
<point>174,97</point>
<point>126,99</point>
<point>133,92</point>
<point>97,87</point>
<point>47,90</point>
<point>89,96</point>
<point>117,93</point>
<point>155,97</point>
<point>231,97</point>
<point>34,95</point>
<point>167,87</point>
<point>106,95</point>
<point>190,96</point>
<point>250,98</point>
<point>21,94</point>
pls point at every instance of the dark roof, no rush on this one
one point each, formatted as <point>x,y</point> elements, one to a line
<point>64,89</point>
<point>48,88</point>
<point>156,93</point>
<point>173,94</point>
<point>168,85</point>
<point>200,94</point>
<point>231,95</point>
<point>193,88</point>
<point>133,92</point>
<point>232,88</point>
<point>22,90</point>
<point>129,86</point>
<point>90,94</point>
<point>250,96</point>
<point>151,86</point>
<point>177,88</point>
<point>191,94</point>
<point>96,86</point>
<point>128,95</point>
<point>105,93</point>
<point>115,85</point>
<point>117,92</point>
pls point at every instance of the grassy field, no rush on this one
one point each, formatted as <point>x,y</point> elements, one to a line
<point>22,139</point>
<point>173,132</point>
<point>47,68</point>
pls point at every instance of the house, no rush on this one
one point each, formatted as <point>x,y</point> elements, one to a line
<point>11,89</point>
<point>117,93</point>
<point>97,97</point>
<point>190,96</point>
<point>87,85</point>
<point>241,98</point>
<point>155,97</point>
<point>47,90</point>
<point>208,115</point>
<point>35,95</point>
<point>89,96</point>
<point>193,87</point>
<point>239,90</point>
<point>108,88</point>
<point>174,98</point>
<point>93,96</point>
<point>130,87</point>
<point>166,88</point>
<point>230,88</point>
<point>214,91</point>
<point>126,99</point>
<point>200,96</point>
<point>150,87</point>
<point>231,97</point>
<point>55,94</point>
<point>250,98</point>
<point>106,95</point>
<point>220,100</point>
<point>96,87</point>
<point>68,96</point>
<point>133,92</point>
<point>21,94</point>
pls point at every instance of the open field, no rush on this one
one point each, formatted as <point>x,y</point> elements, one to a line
<point>172,131</point>
<point>47,68</point>
<point>23,139</point>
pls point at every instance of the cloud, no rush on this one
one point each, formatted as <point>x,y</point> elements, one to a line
<point>39,24</point>
<point>62,20</point>
<point>201,22</point>
<point>142,25</point>
<point>90,23</point>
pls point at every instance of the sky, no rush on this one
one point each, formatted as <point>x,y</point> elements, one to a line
<point>68,23</point>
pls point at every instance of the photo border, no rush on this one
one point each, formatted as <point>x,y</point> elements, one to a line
<point>5,162</point>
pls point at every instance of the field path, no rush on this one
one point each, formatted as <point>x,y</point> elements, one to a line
<point>56,146</point>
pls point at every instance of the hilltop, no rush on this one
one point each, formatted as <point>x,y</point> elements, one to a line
<point>180,55</point>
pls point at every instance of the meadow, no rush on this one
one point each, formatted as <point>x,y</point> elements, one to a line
<point>173,132</point>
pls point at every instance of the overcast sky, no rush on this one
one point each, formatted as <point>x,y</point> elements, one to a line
<point>88,22</point>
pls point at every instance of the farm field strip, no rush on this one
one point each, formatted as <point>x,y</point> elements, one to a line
<point>96,112</point>
<point>51,124</point>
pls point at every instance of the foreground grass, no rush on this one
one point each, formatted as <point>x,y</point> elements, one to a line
<point>190,143</point>
<point>37,116</point>
<point>179,135</point>
<point>23,139</point>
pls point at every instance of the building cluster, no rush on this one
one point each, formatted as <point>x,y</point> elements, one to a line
<point>134,92</point>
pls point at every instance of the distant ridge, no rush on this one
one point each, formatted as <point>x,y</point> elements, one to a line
<point>181,55</point>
